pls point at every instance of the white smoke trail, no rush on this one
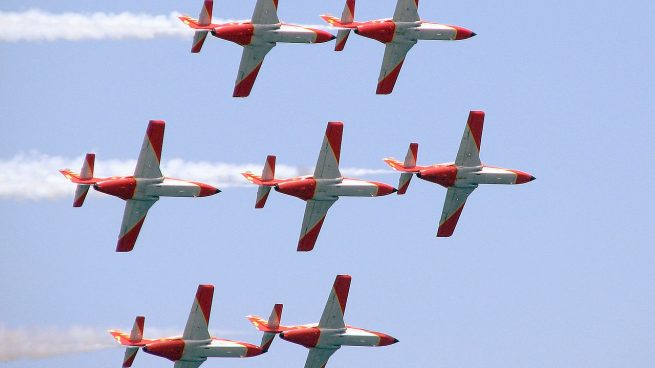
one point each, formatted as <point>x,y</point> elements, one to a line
<point>39,25</point>
<point>45,342</point>
<point>38,343</point>
<point>35,176</point>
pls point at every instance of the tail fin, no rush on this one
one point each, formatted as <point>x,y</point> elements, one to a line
<point>132,342</point>
<point>83,180</point>
<point>273,326</point>
<point>407,168</point>
<point>265,182</point>
<point>202,23</point>
<point>347,16</point>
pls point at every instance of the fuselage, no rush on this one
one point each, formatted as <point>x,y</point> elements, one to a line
<point>315,337</point>
<point>197,350</point>
<point>450,175</point>
<point>129,187</point>
<point>387,30</point>
<point>307,187</point>
<point>246,33</point>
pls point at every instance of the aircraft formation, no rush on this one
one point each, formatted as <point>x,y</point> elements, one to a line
<point>320,190</point>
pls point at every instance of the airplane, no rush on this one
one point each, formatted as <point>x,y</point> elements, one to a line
<point>330,333</point>
<point>460,177</point>
<point>399,34</point>
<point>320,190</point>
<point>257,36</point>
<point>141,190</point>
<point>195,345</point>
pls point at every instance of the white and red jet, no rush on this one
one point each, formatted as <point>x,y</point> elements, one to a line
<point>399,34</point>
<point>257,36</point>
<point>195,345</point>
<point>141,190</point>
<point>460,177</point>
<point>320,190</point>
<point>330,333</point>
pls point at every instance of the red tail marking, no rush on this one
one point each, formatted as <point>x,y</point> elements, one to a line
<point>262,201</point>
<point>475,123</point>
<point>79,200</point>
<point>208,7</point>
<point>90,159</point>
<point>413,148</point>
<point>341,288</point>
<point>275,3</point>
<point>278,311</point>
<point>334,133</point>
<point>403,189</point>
<point>448,227</point>
<point>128,362</point>
<point>385,86</point>
<point>270,164</point>
<point>351,7</point>
<point>198,45</point>
<point>342,44</point>
<point>243,88</point>
<point>308,241</point>
<point>140,320</point>
<point>155,135</point>
<point>204,297</point>
<point>126,243</point>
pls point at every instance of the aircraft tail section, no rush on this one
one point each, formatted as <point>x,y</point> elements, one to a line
<point>407,168</point>
<point>272,326</point>
<point>84,179</point>
<point>265,181</point>
<point>202,25</point>
<point>132,342</point>
<point>346,21</point>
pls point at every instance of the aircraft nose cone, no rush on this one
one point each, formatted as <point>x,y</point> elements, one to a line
<point>206,189</point>
<point>473,34</point>
<point>462,33</point>
<point>323,36</point>
<point>522,177</point>
<point>386,340</point>
<point>385,189</point>
<point>532,178</point>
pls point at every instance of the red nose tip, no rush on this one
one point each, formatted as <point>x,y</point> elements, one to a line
<point>252,350</point>
<point>522,177</point>
<point>385,189</point>
<point>387,340</point>
<point>323,36</point>
<point>206,189</point>
<point>463,33</point>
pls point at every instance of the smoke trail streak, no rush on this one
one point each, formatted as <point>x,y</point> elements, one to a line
<point>38,25</point>
<point>35,176</point>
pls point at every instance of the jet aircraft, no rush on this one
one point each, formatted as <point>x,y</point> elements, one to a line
<point>257,36</point>
<point>195,345</point>
<point>141,190</point>
<point>320,190</point>
<point>399,34</point>
<point>328,335</point>
<point>460,177</point>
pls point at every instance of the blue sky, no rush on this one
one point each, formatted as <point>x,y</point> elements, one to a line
<point>558,272</point>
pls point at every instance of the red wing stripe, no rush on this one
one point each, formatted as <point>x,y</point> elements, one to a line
<point>80,200</point>
<point>448,227</point>
<point>243,88</point>
<point>204,297</point>
<point>155,135</point>
<point>308,241</point>
<point>126,243</point>
<point>334,133</point>
<point>475,124</point>
<point>385,86</point>
<point>341,288</point>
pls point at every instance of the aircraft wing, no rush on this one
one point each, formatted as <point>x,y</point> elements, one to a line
<point>315,212</point>
<point>197,324</point>
<point>327,165</point>
<point>335,307</point>
<point>251,60</point>
<point>406,11</point>
<point>452,208</point>
<point>133,217</point>
<point>265,12</point>
<point>147,166</point>
<point>394,56</point>
<point>469,148</point>
<point>318,358</point>
<point>188,364</point>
